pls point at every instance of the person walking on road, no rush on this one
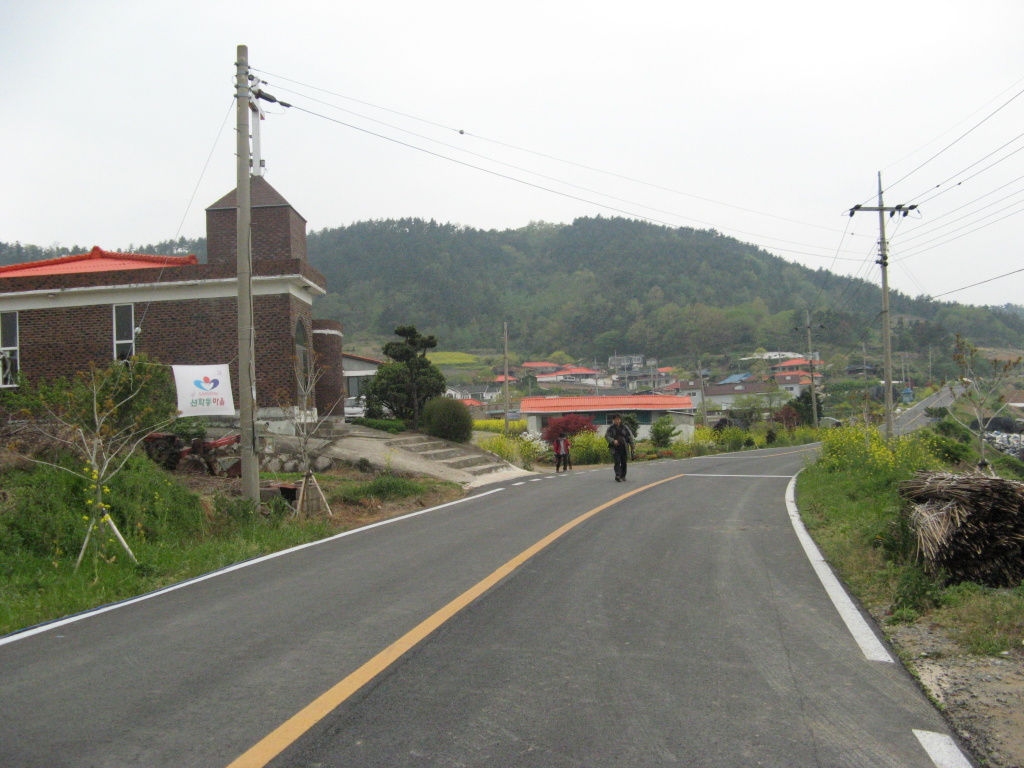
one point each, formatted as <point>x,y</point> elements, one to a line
<point>620,441</point>
<point>561,449</point>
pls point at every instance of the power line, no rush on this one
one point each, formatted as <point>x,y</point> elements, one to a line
<point>496,142</point>
<point>555,191</point>
<point>959,138</point>
<point>972,285</point>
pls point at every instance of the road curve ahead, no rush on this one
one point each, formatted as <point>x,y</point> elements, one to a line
<point>552,621</point>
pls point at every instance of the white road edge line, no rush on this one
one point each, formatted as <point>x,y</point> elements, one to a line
<point>39,628</point>
<point>942,750</point>
<point>862,633</point>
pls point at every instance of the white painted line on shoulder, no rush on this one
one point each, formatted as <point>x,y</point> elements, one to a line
<point>942,750</point>
<point>237,566</point>
<point>535,480</point>
<point>862,633</point>
<point>521,482</point>
<point>712,474</point>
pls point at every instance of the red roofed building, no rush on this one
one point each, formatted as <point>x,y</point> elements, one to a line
<point>796,364</point>
<point>571,373</point>
<point>648,409</point>
<point>59,315</point>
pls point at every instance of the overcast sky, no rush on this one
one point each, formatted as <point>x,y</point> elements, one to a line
<point>765,121</point>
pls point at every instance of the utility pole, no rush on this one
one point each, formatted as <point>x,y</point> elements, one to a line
<point>703,397</point>
<point>246,341</point>
<point>883,262</point>
<point>810,362</point>
<point>505,335</point>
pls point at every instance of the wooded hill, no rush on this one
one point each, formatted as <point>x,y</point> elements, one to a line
<point>600,286</point>
<point>606,285</point>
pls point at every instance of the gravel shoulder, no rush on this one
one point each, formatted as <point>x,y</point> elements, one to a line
<point>981,696</point>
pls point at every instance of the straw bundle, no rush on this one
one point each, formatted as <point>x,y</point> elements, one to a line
<point>968,527</point>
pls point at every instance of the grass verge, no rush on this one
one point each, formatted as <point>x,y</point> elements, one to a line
<point>850,505</point>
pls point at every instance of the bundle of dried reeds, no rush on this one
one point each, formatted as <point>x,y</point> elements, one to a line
<point>968,527</point>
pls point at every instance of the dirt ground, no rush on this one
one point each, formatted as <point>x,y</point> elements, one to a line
<point>981,696</point>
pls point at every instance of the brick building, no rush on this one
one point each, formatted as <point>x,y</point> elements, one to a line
<point>58,315</point>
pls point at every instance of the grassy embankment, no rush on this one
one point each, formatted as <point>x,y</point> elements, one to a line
<point>175,533</point>
<point>850,504</point>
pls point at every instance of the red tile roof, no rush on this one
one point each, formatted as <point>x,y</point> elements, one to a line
<point>96,260</point>
<point>471,402</point>
<point>501,379</point>
<point>610,403</point>
<point>570,371</point>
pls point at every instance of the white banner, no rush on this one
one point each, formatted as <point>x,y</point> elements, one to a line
<point>204,390</point>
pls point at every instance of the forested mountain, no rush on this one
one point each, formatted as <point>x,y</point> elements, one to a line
<point>600,286</point>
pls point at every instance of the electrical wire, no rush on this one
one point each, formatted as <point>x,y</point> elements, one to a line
<point>543,176</point>
<point>496,142</point>
<point>492,172</point>
<point>988,167</point>
<point>188,207</point>
<point>973,285</point>
<point>959,138</point>
<point>944,242</point>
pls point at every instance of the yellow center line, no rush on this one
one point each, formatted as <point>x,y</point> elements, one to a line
<point>292,729</point>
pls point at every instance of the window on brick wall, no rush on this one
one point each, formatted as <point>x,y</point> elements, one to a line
<point>302,356</point>
<point>8,349</point>
<point>124,331</point>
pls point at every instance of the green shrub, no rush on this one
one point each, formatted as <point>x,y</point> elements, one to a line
<point>515,426</point>
<point>731,438</point>
<point>951,429</point>
<point>394,426</point>
<point>384,487</point>
<point>521,451</point>
<point>447,419</point>
<point>589,448</point>
<point>949,450</point>
<point>662,432</point>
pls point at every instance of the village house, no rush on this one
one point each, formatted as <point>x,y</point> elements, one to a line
<point>538,411</point>
<point>358,371</point>
<point>60,315</point>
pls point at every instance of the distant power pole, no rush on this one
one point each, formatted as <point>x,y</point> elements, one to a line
<point>810,362</point>
<point>883,262</point>
<point>246,333</point>
<point>505,337</point>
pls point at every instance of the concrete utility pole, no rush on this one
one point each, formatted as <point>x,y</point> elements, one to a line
<point>504,327</point>
<point>246,334</point>
<point>810,361</point>
<point>883,261</point>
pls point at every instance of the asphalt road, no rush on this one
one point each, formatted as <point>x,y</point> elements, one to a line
<point>553,621</point>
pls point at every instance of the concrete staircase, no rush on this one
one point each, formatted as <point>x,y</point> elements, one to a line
<point>468,458</point>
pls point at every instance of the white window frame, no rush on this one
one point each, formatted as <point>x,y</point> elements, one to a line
<point>9,352</point>
<point>119,344</point>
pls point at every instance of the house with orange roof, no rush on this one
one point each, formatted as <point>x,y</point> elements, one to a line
<point>538,411</point>
<point>571,373</point>
<point>796,364</point>
<point>58,316</point>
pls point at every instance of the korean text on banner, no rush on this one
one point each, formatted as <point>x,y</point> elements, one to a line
<point>204,390</point>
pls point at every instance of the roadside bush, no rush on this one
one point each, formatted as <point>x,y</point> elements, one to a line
<point>589,448</point>
<point>958,432</point>
<point>384,487</point>
<point>394,426</point>
<point>731,438</point>
<point>571,425</point>
<point>662,432</point>
<point>522,450</point>
<point>949,450</point>
<point>515,426</point>
<point>447,419</point>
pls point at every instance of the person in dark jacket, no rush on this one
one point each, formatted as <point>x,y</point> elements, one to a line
<point>620,441</point>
